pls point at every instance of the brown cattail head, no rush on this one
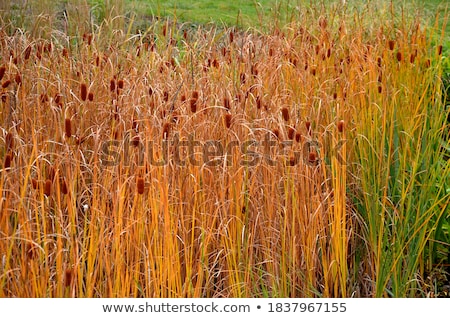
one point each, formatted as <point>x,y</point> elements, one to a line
<point>58,99</point>
<point>63,186</point>
<point>9,141</point>
<point>391,44</point>
<point>68,277</point>
<point>231,36</point>
<point>285,113</point>
<point>34,183</point>
<point>120,84</point>
<point>83,91</point>
<point>312,157</point>
<point>291,133</point>
<point>439,50</point>
<point>26,54</point>
<point>65,53</point>
<point>308,127</point>
<point>276,132</point>
<point>112,85</point>
<point>399,56</point>
<point>68,127</point>
<point>91,96</point>
<point>380,89</point>
<point>140,185</point>
<point>18,78</point>
<point>2,71</point>
<point>227,120</point>
<point>298,137</point>
<point>166,130</point>
<point>8,159</point>
<point>340,126</point>
<point>48,187</point>
<point>427,63</point>
<point>135,141</point>
<point>412,58</point>
<point>258,102</point>
<point>6,83</point>
<point>226,102</point>
<point>193,104</point>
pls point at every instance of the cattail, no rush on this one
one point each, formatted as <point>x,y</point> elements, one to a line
<point>135,140</point>
<point>63,186</point>
<point>120,84</point>
<point>166,96</point>
<point>258,102</point>
<point>231,36</point>
<point>379,62</point>
<point>58,99</point>
<point>9,141</point>
<point>34,183</point>
<point>312,157</point>
<point>298,137</point>
<point>308,127</point>
<point>291,133</point>
<point>399,56</point>
<point>31,251</point>
<point>68,127</point>
<point>112,85</point>
<point>226,102</point>
<point>27,53</point>
<point>91,96</point>
<point>335,95</point>
<point>391,44</point>
<point>313,72</point>
<point>18,78</point>
<point>439,50</point>
<point>380,89</point>
<point>48,187</point>
<point>340,126</point>
<point>65,53</point>
<point>285,113</point>
<point>2,71</point>
<point>427,63</point>
<point>43,98</point>
<point>276,132</point>
<point>68,277</point>
<point>6,83</point>
<point>8,159</point>
<point>412,58</point>
<point>193,101</point>
<point>83,91</point>
<point>292,160</point>
<point>227,120</point>
<point>165,130</point>
<point>140,185</point>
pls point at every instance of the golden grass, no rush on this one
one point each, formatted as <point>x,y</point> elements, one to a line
<point>199,163</point>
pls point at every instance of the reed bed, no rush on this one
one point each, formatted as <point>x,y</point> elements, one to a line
<point>209,162</point>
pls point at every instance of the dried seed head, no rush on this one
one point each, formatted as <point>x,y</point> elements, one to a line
<point>135,141</point>
<point>227,120</point>
<point>308,127</point>
<point>340,126</point>
<point>2,71</point>
<point>58,99</point>
<point>83,91</point>
<point>8,159</point>
<point>391,44</point>
<point>68,127</point>
<point>48,187</point>
<point>26,54</point>
<point>312,157</point>
<point>112,85</point>
<point>298,137</point>
<point>6,83</point>
<point>399,56</point>
<point>291,133</point>
<point>292,160</point>
<point>166,130</point>
<point>231,36</point>
<point>380,89</point>
<point>120,84</point>
<point>193,104</point>
<point>412,58</point>
<point>226,102</point>
<point>276,132</point>
<point>68,277</point>
<point>91,96</point>
<point>63,186</point>
<point>34,183</point>
<point>439,50</point>
<point>140,185</point>
<point>9,141</point>
<point>18,78</point>
<point>285,113</point>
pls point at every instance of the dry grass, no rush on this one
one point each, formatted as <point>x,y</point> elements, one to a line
<point>208,162</point>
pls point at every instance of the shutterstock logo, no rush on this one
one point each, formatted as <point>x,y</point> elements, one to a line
<point>190,151</point>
